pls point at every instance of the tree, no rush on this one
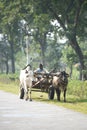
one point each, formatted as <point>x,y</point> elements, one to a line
<point>71,20</point>
<point>70,17</point>
<point>9,26</point>
<point>4,55</point>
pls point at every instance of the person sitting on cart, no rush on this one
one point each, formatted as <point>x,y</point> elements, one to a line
<point>41,70</point>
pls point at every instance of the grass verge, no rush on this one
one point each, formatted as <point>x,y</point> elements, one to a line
<point>73,101</point>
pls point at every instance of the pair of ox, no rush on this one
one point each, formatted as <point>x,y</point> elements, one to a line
<point>58,82</point>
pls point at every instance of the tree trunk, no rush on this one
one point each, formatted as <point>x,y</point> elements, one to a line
<point>7,67</point>
<point>12,57</point>
<point>75,46</point>
<point>43,47</point>
<point>71,68</point>
<point>42,55</point>
<point>1,67</point>
<point>11,42</point>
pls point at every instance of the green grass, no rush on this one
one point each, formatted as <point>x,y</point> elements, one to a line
<point>76,98</point>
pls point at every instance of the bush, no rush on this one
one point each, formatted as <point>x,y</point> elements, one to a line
<point>77,88</point>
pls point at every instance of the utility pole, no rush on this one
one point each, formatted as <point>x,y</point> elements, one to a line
<point>27,50</point>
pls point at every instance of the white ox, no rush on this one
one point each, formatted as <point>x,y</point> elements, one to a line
<point>26,78</point>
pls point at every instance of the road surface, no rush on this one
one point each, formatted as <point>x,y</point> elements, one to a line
<point>16,114</point>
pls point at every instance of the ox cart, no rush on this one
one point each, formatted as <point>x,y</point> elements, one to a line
<point>44,83</point>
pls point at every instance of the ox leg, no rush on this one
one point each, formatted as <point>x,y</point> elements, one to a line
<point>51,92</point>
<point>21,95</point>
<point>26,96</point>
<point>65,95</point>
<point>26,91</point>
<point>30,94</point>
<point>58,92</point>
<point>21,92</point>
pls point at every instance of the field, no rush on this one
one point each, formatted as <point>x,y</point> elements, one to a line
<point>76,93</point>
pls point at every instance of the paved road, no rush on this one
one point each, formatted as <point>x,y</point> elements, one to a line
<point>16,114</point>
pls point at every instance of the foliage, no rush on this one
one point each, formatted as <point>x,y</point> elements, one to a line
<point>53,52</point>
<point>69,21</point>
<point>38,16</point>
<point>78,88</point>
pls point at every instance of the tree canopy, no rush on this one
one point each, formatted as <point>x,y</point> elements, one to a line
<point>70,17</point>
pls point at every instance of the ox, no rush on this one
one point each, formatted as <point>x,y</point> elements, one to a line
<point>26,78</point>
<point>59,83</point>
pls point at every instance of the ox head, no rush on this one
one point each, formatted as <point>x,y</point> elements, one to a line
<point>63,75</point>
